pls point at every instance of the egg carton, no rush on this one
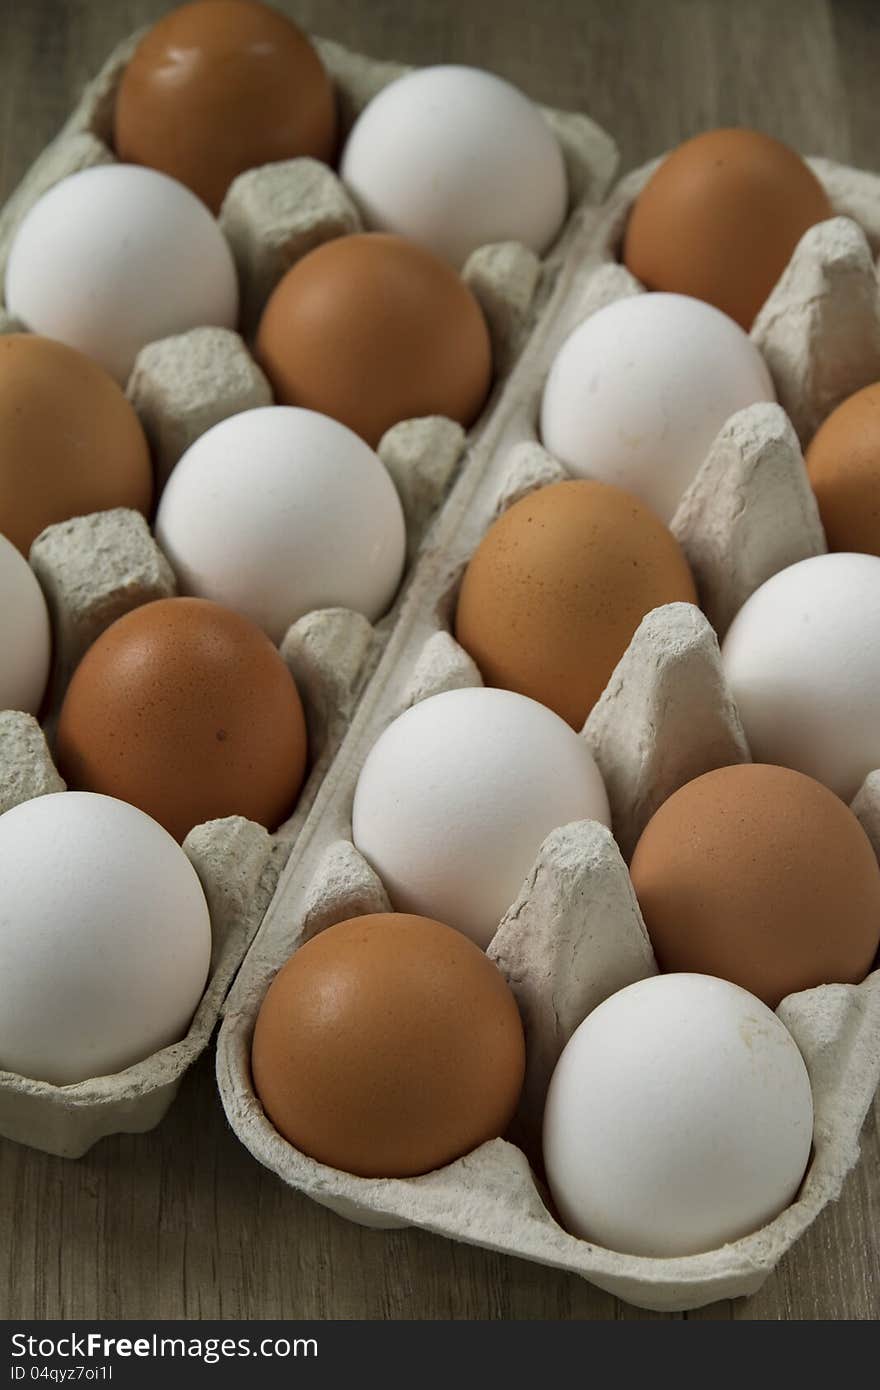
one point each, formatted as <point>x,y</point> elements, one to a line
<point>94,569</point>
<point>575,934</point>
<point>274,215</point>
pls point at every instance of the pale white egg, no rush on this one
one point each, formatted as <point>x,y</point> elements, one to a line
<point>455,158</point>
<point>679,1117</point>
<point>116,257</point>
<point>25,636</point>
<point>802,658</point>
<point>279,511</point>
<point>457,795</point>
<point>640,389</point>
<point>105,938</point>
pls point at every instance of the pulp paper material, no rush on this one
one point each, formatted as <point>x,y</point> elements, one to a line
<point>92,570</point>
<point>26,766</point>
<point>575,933</point>
<point>819,331</point>
<point>664,718</point>
<point>727,522</point>
<point>182,386</point>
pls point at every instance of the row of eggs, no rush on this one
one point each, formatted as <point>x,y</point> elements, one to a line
<point>482,828</point>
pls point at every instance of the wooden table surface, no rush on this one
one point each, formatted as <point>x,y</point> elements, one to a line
<point>182,1222</point>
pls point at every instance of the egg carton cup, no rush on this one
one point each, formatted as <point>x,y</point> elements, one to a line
<point>575,934</point>
<point>237,866</point>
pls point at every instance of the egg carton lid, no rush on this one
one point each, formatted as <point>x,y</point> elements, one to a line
<point>665,717</point>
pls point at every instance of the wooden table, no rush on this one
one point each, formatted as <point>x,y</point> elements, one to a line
<point>182,1222</point>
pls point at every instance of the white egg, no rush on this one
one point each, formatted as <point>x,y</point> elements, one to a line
<point>25,635</point>
<point>638,392</point>
<point>105,937</point>
<point>802,658</point>
<point>278,511</point>
<point>116,257</point>
<point>457,795</point>
<point>455,158</point>
<point>679,1117</point>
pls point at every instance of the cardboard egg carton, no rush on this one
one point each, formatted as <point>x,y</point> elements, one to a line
<point>94,569</point>
<point>575,934</point>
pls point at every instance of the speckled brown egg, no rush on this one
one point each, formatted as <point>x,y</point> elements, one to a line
<point>388,1046</point>
<point>220,86</point>
<point>557,587</point>
<point>186,710</point>
<point>720,217</point>
<point>843,462</point>
<point>70,443</point>
<point>371,330</point>
<point>762,876</point>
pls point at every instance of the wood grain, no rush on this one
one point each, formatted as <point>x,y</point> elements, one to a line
<point>182,1222</point>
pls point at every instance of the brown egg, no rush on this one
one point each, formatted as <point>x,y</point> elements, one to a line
<point>557,587</point>
<point>843,462</point>
<point>220,86</point>
<point>70,443</point>
<point>720,217</point>
<point>186,710</point>
<point>762,876</point>
<point>388,1046</point>
<point>370,330</point>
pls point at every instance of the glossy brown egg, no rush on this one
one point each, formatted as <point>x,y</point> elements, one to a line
<point>186,710</point>
<point>843,462</point>
<point>371,330</point>
<point>720,217</point>
<point>388,1046</point>
<point>220,86</point>
<point>70,443</point>
<point>557,587</point>
<point>762,876</point>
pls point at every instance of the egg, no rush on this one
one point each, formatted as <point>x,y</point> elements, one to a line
<point>843,461</point>
<point>105,938</point>
<point>720,218</point>
<point>557,587</point>
<point>638,392</point>
<point>25,636</point>
<point>70,443</point>
<point>457,795</point>
<point>230,66</point>
<point>279,511</point>
<point>762,876</point>
<point>115,257</point>
<point>802,659</point>
<point>371,330</point>
<point>388,1046</point>
<point>186,710</point>
<point>455,158</point>
<point>679,1118</point>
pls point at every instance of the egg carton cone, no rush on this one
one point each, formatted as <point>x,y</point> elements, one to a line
<point>575,933</point>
